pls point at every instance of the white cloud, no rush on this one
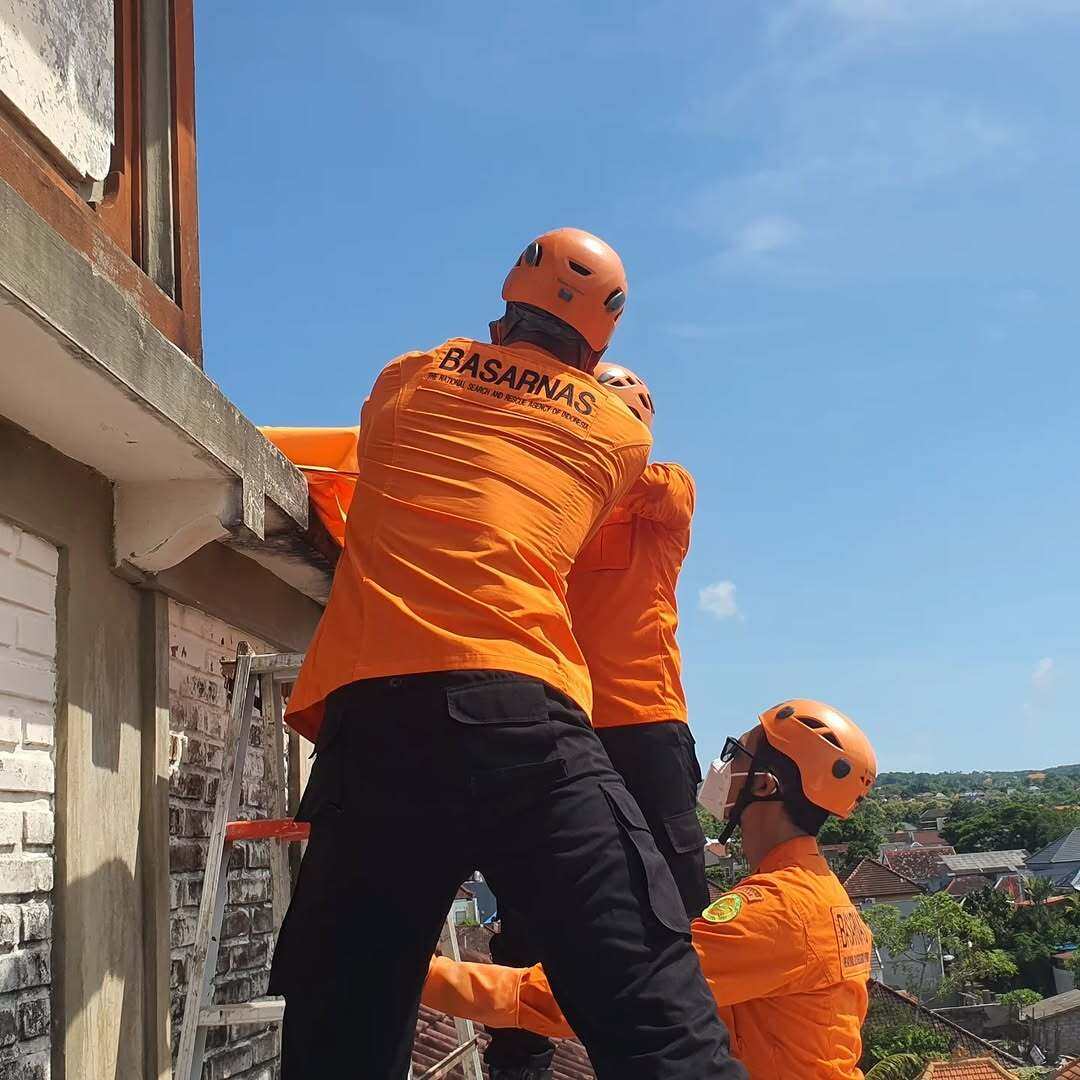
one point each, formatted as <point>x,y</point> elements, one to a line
<point>1040,677</point>
<point>719,599</point>
<point>765,234</point>
<point>869,18</point>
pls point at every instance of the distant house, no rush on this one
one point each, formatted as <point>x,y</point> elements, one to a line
<point>1058,862</point>
<point>1061,965</point>
<point>872,882</point>
<point>465,909</point>
<point>1055,1024</point>
<point>986,862</point>
<point>993,865</point>
<point>959,887</point>
<point>919,969</point>
<point>921,864</point>
<point>835,855</point>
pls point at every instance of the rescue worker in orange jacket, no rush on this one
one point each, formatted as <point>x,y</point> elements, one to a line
<point>785,953</point>
<point>444,685</point>
<point>621,593</point>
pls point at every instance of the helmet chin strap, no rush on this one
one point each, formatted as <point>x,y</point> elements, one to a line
<point>746,797</point>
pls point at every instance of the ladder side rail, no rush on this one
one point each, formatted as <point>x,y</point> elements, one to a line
<point>274,749</point>
<point>443,1066</point>
<point>190,1052</point>
<point>466,1033</point>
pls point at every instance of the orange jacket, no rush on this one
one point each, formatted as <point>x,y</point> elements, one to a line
<point>327,457</point>
<point>482,471</point>
<point>786,956</point>
<point>622,601</point>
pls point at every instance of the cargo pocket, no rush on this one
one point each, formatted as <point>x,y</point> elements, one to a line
<point>325,789</point>
<point>684,832</point>
<point>664,897</point>
<point>508,740</point>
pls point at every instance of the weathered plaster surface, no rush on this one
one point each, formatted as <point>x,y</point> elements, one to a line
<point>57,68</point>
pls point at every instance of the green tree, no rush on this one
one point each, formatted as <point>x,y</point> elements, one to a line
<point>1021,997</point>
<point>938,917</point>
<point>883,1041</point>
<point>864,833</point>
<point>898,1067</point>
<point>1004,824</point>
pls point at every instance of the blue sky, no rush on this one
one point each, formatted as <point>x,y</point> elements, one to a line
<point>852,232</point>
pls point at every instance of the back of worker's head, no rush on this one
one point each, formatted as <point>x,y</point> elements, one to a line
<point>629,388</point>
<point>804,754</point>
<point>565,294</point>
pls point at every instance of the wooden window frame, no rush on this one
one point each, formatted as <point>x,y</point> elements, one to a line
<point>111,232</point>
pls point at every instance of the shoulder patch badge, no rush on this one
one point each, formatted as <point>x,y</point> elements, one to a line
<point>750,893</point>
<point>723,910</point>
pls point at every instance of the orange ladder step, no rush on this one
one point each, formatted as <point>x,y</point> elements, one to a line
<point>267,829</point>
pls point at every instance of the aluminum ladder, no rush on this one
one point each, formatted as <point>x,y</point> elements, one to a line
<point>268,673</point>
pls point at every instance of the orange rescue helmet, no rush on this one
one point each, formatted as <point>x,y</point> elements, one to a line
<point>628,387</point>
<point>574,276</point>
<point>836,762</point>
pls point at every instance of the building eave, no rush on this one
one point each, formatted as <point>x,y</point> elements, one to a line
<point>84,370</point>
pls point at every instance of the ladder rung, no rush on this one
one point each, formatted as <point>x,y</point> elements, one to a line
<point>257,1011</point>
<point>441,1068</point>
<point>283,666</point>
<point>268,829</point>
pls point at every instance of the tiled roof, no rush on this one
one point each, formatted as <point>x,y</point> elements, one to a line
<point>918,863</point>
<point>1071,1071</point>
<point>1065,849</point>
<point>889,1005</point>
<point>968,883</point>
<point>1052,1006</point>
<point>981,862</point>
<point>969,1069</point>
<point>872,880</point>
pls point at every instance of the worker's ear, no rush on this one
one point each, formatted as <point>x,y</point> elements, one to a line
<point>765,786</point>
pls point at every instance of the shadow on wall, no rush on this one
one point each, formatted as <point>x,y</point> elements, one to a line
<point>106,982</point>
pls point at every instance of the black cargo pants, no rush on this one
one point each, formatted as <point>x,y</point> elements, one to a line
<point>419,780</point>
<point>659,764</point>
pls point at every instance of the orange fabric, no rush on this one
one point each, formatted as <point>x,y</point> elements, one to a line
<point>788,970</point>
<point>622,601</point>
<point>327,457</point>
<point>482,470</point>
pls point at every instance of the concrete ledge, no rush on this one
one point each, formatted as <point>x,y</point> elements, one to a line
<point>84,370</point>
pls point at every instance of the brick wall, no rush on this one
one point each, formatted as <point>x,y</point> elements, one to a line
<point>28,568</point>
<point>198,713</point>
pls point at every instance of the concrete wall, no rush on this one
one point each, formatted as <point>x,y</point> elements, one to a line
<point>100,996</point>
<point>112,929</point>
<point>28,571</point>
<point>57,68</point>
<point>198,710</point>
<point>1059,1035</point>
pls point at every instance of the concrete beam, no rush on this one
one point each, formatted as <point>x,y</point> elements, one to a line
<point>83,369</point>
<point>157,526</point>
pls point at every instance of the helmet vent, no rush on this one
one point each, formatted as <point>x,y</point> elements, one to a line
<point>816,725</point>
<point>615,301</point>
<point>532,255</point>
<point>584,271</point>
